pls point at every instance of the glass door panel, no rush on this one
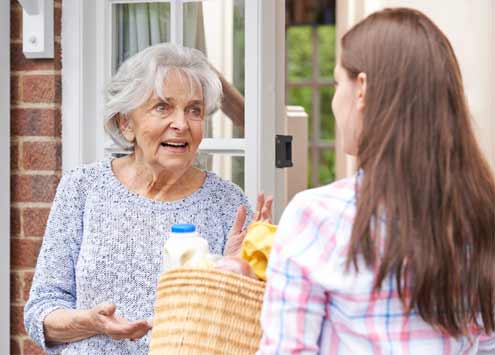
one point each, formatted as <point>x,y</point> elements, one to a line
<point>137,26</point>
<point>216,28</point>
<point>227,166</point>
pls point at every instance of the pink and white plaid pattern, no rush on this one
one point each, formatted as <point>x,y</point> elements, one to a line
<point>313,306</point>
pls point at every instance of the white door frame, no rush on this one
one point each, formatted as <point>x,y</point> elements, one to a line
<point>85,29</point>
<point>265,98</point>
<point>5,177</point>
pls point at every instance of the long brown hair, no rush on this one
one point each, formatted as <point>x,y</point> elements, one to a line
<point>423,173</point>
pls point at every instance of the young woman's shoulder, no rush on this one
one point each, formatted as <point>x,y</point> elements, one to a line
<point>317,222</point>
<point>337,194</point>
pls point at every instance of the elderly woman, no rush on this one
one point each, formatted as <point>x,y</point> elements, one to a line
<point>94,285</point>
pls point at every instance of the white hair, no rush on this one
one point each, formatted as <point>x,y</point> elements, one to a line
<point>144,74</point>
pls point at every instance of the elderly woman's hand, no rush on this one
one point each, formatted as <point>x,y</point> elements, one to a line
<point>263,209</point>
<point>237,233</point>
<point>107,322</point>
<point>68,325</point>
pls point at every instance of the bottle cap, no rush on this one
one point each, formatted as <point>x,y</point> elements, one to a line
<point>183,228</point>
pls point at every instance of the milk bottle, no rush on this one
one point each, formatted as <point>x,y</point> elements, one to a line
<point>185,248</point>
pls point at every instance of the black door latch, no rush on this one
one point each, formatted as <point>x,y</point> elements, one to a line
<point>283,151</point>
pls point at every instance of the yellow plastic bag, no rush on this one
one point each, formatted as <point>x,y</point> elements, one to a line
<point>257,246</point>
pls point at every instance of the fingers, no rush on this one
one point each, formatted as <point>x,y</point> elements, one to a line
<point>137,330</point>
<point>118,327</point>
<point>240,218</point>
<point>234,244</point>
<point>266,211</point>
<point>236,234</point>
<point>105,309</point>
<point>260,200</point>
<point>263,208</point>
<point>123,329</point>
<point>259,205</point>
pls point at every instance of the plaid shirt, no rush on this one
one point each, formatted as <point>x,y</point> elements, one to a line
<point>313,306</point>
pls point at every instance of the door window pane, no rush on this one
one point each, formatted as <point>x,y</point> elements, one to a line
<point>217,29</point>
<point>326,168</point>
<point>193,26</point>
<point>310,64</point>
<point>137,26</point>
<point>326,50</point>
<point>327,120</point>
<point>239,46</point>
<point>299,53</point>
<point>238,56</point>
<point>229,167</point>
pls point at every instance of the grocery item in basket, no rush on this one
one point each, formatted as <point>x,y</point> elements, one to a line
<point>236,265</point>
<point>185,248</point>
<point>257,246</point>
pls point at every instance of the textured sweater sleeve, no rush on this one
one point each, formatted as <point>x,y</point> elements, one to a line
<point>53,284</point>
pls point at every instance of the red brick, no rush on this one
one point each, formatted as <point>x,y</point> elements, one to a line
<point>34,221</point>
<point>41,155</point>
<point>16,289</point>
<point>15,221</point>
<point>14,156</point>
<point>35,122</point>
<point>41,88</point>
<point>15,347</point>
<point>15,93</point>
<point>20,62</point>
<point>15,23</point>
<point>33,188</point>
<point>17,320</point>
<point>30,348</point>
<point>24,252</point>
<point>28,280</point>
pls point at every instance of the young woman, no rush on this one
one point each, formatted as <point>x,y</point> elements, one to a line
<point>399,259</point>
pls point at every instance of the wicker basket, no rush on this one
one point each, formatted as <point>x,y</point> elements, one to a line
<point>204,311</point>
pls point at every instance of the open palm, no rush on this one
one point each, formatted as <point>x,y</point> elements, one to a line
<point>237,232</point>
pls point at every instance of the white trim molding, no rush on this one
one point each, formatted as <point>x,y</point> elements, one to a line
<point>82,92</point>
<point>72,83</point>
<point>231,146</point>
<point>37,28</point>
<point>5,177</point>
<point>265,98</point>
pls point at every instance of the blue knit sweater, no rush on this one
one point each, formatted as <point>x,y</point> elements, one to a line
<point>103,243</point>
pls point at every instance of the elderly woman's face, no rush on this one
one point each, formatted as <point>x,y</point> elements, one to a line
<point>168,132</point>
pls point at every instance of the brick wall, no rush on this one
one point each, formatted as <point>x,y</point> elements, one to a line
<point>35,164</point>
